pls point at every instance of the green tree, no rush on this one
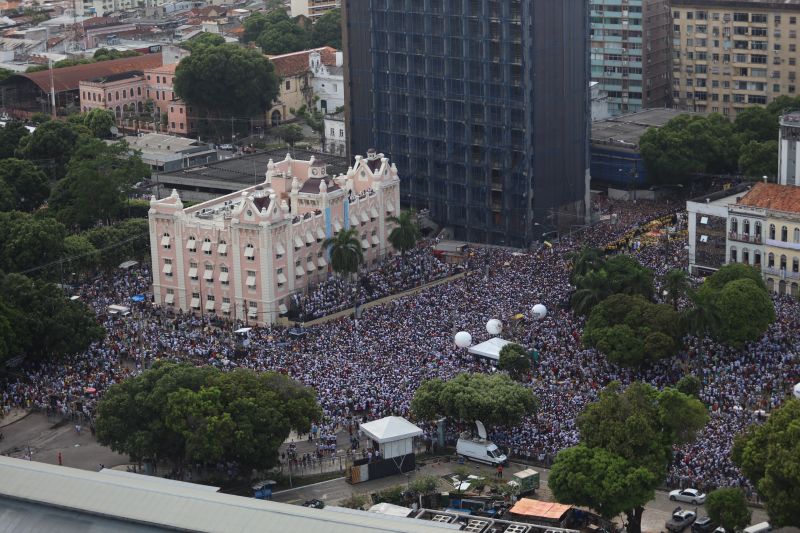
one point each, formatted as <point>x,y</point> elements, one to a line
<point>289,133</point>
<point>627,276</point>
<point>10,137</point>
<point>592,289</point>
<point>514,360</point>
<point>689,385</point>
<point>80,255</point>
<point>746,311</point>
<point>703,317</point>
<point>5,74</point>
<point>27,241</point>
<point>282,35</point>
<point>99,122</point>
<point>769,455</point>
<point>253,26</point>
<point>728,508</point>
<point>46,324</point>
<point>51,146</point>
<point>759,159</point>
<point>107,54</point>
<point>345,251</point>
<point>97,184</point>
<point>492,399</point>
<point>756,123</point>
<point>27,183</point>
<point>732,272</point>
<point>424,484</point>
<point>179,413</point>
<point>227,80</point>
<point>202,40</point>
<point>405,233</point>
<point>630,435</point>
<point>327,30</point>
<point>128,239</point>
<point>676,283</point>
<point>585,260</point>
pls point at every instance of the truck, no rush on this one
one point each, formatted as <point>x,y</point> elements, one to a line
<point>480,449</point>
<point>525,481</point>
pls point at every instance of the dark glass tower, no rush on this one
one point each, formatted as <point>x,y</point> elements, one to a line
<point>482,104</point>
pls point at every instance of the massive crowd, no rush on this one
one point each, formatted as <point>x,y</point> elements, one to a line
<point>372,368</point>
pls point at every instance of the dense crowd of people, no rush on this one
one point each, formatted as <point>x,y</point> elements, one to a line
<point>372,368</point>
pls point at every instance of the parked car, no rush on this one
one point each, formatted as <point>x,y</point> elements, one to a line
<point>761,527</point>
<point>692,496</point>
<point>681,519</point>
<point>703,525</point>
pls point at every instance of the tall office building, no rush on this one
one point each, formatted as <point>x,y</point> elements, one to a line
<point>483,104</point>
<point>630,41</point>
<point>732,54</point>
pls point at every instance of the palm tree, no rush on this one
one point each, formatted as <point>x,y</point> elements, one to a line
<point>345,250</point>
<point>405,234</point>
<point>703,317</point>
<point>592,289</point>
<point>584,261</point>
<point>676,283</point>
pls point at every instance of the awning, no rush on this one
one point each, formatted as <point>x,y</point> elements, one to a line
<point>375,240</point>
<point>281,279</point>
<point>209,305</point>
<point>279,249</point>
<point>540,509</point>
<point>164,241</point>
<point>364,216</point>
<point>206,246</point>
<point>191,244</point>
<point>195,302</point>
<point>193,272</point>
<point>364,244</point>
<point>251,281</point>
<point>169,298</point>
<point>249,252</point>
<point>390,429</point>
<point>389,207</point>
<point>167,269</point>
<point>322,263</point>
<point>208,275</point>
<point>282,309</point>
<point>320,234</point>
<point>299,271</point>
<point>373,212</point>
<point>309,237</point>
<point>337,226</point>
<point>226,307</point>
<point>298,242</point>
<point>222,248</point>
<point>353,220</point>
<point>223,277</point>
<point>310,266</point>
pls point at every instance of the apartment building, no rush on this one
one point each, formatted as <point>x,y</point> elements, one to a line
<point>630,53</point>
<point>731,54</point>
<point>312,8</point>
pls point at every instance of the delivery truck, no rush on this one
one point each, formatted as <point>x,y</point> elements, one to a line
<point>526,481</point>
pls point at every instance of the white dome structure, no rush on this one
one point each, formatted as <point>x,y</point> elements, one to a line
<point>539,311</point>
<point>463,339</point>
<point>797,391</point>
<point>494,327</point>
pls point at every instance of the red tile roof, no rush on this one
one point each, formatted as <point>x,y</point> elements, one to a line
<point>773,196</point>
<point>68,78</point>
<point>295,63</point>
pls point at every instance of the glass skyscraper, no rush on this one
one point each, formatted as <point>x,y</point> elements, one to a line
<point>482,104</point>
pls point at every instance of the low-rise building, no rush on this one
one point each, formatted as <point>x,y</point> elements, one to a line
<point>168,152</point>
<point>708,230</point>
<point>335,133</point>
<point>789,149</point>
<point>244,254</point>
<point>327,79</point>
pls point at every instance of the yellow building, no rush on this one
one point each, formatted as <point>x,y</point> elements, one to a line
<point>731,54</point>
<point>781,265</point>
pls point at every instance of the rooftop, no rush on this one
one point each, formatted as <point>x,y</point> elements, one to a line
<point>296,63</point>
<point>784,198</point>
<point>158,142</point>
<point>626,130</point>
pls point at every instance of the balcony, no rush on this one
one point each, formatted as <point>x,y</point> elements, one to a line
<point>744,237</point>
<point>781,273</point>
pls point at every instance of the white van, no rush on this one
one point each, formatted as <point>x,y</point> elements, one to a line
<point>480,449</point>
<point>761,527</point>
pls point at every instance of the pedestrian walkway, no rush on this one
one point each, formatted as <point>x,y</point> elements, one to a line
<point>14,415</point>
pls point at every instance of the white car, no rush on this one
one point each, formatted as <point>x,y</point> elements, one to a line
<point>692,496</point>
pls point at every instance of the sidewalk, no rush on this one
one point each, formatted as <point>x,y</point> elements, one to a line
<point>15,415</point>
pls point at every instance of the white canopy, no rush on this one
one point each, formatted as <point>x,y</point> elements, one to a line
<point>390,429</point>
<point>489,349</point>
<point>797,390</point>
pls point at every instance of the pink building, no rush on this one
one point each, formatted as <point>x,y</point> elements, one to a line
<point>244,254</point>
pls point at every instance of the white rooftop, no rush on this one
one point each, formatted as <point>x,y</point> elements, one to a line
<point>489,349</point>
<point>390,429</point>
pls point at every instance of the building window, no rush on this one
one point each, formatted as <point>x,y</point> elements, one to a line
<point>165,242</point>
<point>222,248</point>
<point>733,255</point>
<point>772,232</point>
<point>734,225</point>
<point>191,244</point>
<point>250,252</point>
<point>745,256</point>
<point>746,226</point>
<point>783,262</point>
<point>796,235</point>
<point>288,85</point>
<point>196,300</point>
<point>758,229</point>
<point>757,258</point>
<point>193,271</point>
<point>208,275</point>
<point>795,264</point>
<point>207,246</point>
<point>168,267</point>
<point>251,279</point>
<point>784,234</point>
<point>223,277</point>
<point>771,260</point>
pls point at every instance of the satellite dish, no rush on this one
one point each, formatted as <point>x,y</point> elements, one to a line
<point>463,339</point>
<point>481,429</point>
<point>114,130</point>
<point>494,327</point>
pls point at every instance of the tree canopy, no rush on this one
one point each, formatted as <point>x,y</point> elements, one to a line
<point>26,183</point>
<point>327,30</point>
<point>180,413</point>
<point>51,146</point>
<point>345,251</point>
<point>10,137</point>
<point>758,159</point>
<point>514,360</point>
<point>28,241</point>
<point>227,80</point>
<point>620,274</point>
<point>727,507</point>
<point>630,434</point>
<point>405,233</point>
<point>99,122</point>
<point>769,455</point>
<point>492,399</point>
<point>281,35</point>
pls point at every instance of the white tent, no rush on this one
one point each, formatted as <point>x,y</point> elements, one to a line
<point>489,349</point>
<point>797,391</point>
<point>394,434</point>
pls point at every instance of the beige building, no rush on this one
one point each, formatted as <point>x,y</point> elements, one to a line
<point>312,8</point>
<point>731,54</point>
